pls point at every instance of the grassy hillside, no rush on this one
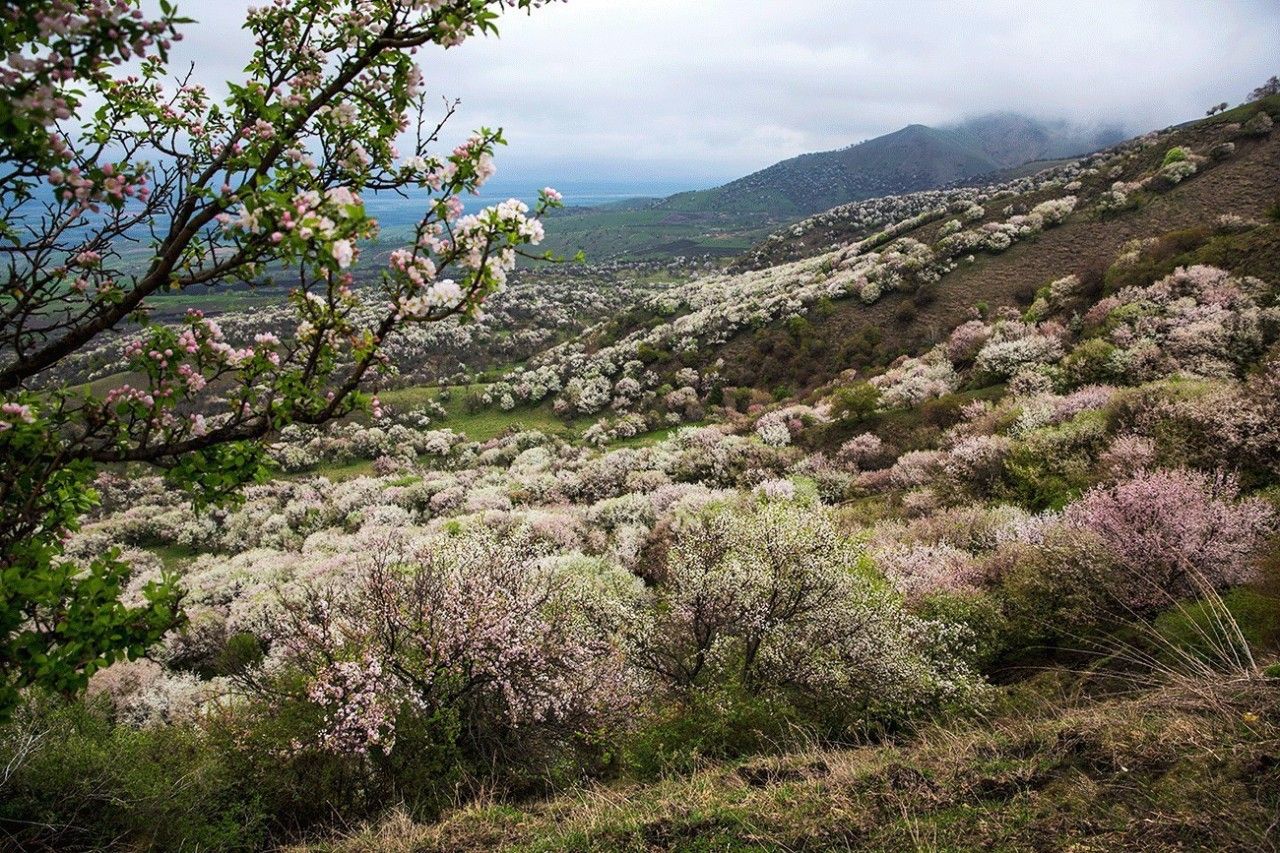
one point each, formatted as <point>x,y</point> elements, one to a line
<point>1193,767</point>
<point>848,333</point>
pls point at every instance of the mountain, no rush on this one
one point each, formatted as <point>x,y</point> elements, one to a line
<point>726,219</point>
<point>1011,139</point>
<point>914,158</point>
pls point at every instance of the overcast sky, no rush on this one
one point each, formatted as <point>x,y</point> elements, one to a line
<point>702,91</point>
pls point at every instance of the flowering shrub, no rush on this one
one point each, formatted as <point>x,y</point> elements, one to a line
<point>916,380</point>
<point>772,430</point>
<point>1174,532</point>
<point>927,569</point>
<point>1006,357</point>
<point>1198,320</point>
<point>865,450</point>
<point>770,598</point>
<point>474,625</point>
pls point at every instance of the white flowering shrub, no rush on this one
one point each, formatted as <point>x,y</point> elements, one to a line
<point>772,598</point>
<point>916,380</point>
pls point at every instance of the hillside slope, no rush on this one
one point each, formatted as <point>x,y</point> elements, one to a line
<point>1169,770</point>
<point>725,220</point>
<point>1245,185</point>
<point>864,284</point>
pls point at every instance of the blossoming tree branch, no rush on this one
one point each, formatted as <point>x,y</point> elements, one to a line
<point>266,181</point>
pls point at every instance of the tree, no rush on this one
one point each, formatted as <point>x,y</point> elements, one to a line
<point>1173,533</point>
<point>855,403</point>
<point>98,155</point>
<point>1267,89</point>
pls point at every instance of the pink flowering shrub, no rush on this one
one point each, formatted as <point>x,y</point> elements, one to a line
<point>1198,320</point>
<point>1127,455</point>
<point>863,451</point>
<point>919,570</point>
<point>1224,424</point>
<point>916,468</point>
<point>776,490</point>
<point>966,339</point>
<point>1174,532</point>
<point>472,626</point>
<point>974,464</point>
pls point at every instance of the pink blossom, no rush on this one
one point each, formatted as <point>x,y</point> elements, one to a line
<point>1175,531</point>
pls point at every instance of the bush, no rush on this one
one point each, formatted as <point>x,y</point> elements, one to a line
<point>1173,533</point>
<point>770,600</point>
<point>855,403</point>
<point>1173,155</point>
<point>978,614</point>
<point>1054,591</point>
<point>716,724</point>
<point>1092,362</point>
<point>506,642</point>
<point>91,784</point>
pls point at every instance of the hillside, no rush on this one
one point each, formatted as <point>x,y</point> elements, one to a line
<point>946,520</point>
<point>1246,185</point>
<point>718,221</point>
<point>1127,343</point>
<point>913,158</point>
<point>1167,771</point>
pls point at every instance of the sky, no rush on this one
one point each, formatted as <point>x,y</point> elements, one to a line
<point>697,92</point>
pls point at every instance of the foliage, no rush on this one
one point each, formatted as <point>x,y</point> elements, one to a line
<point>268,179</point>
<point>769,601</point>
<point>855,403</point>
<point>92,784</point>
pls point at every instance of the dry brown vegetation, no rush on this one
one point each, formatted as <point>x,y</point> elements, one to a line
<point>1186,767</point>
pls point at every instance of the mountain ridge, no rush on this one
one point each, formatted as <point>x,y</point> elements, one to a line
<point>731,217</point>
<point>914,157</point>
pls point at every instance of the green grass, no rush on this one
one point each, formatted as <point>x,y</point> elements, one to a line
<point>488,422</point>
<point>341,471</point>
<point>1244,112</point>
<point>174,556</point>
<point>657,436</point>
<point>608,232</point>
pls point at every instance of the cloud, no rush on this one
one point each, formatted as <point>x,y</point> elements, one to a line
<point>706,90</point>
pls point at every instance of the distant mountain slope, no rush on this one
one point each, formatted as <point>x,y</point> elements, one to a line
<point>729,218</point>
<point>914,158</point>
<point>1011,139</point>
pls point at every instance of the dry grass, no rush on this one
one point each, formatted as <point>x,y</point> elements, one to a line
<point>1186,766</point>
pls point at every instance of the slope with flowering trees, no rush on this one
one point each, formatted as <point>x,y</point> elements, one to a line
<point>101,149</point>
<point>1007,579</point>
